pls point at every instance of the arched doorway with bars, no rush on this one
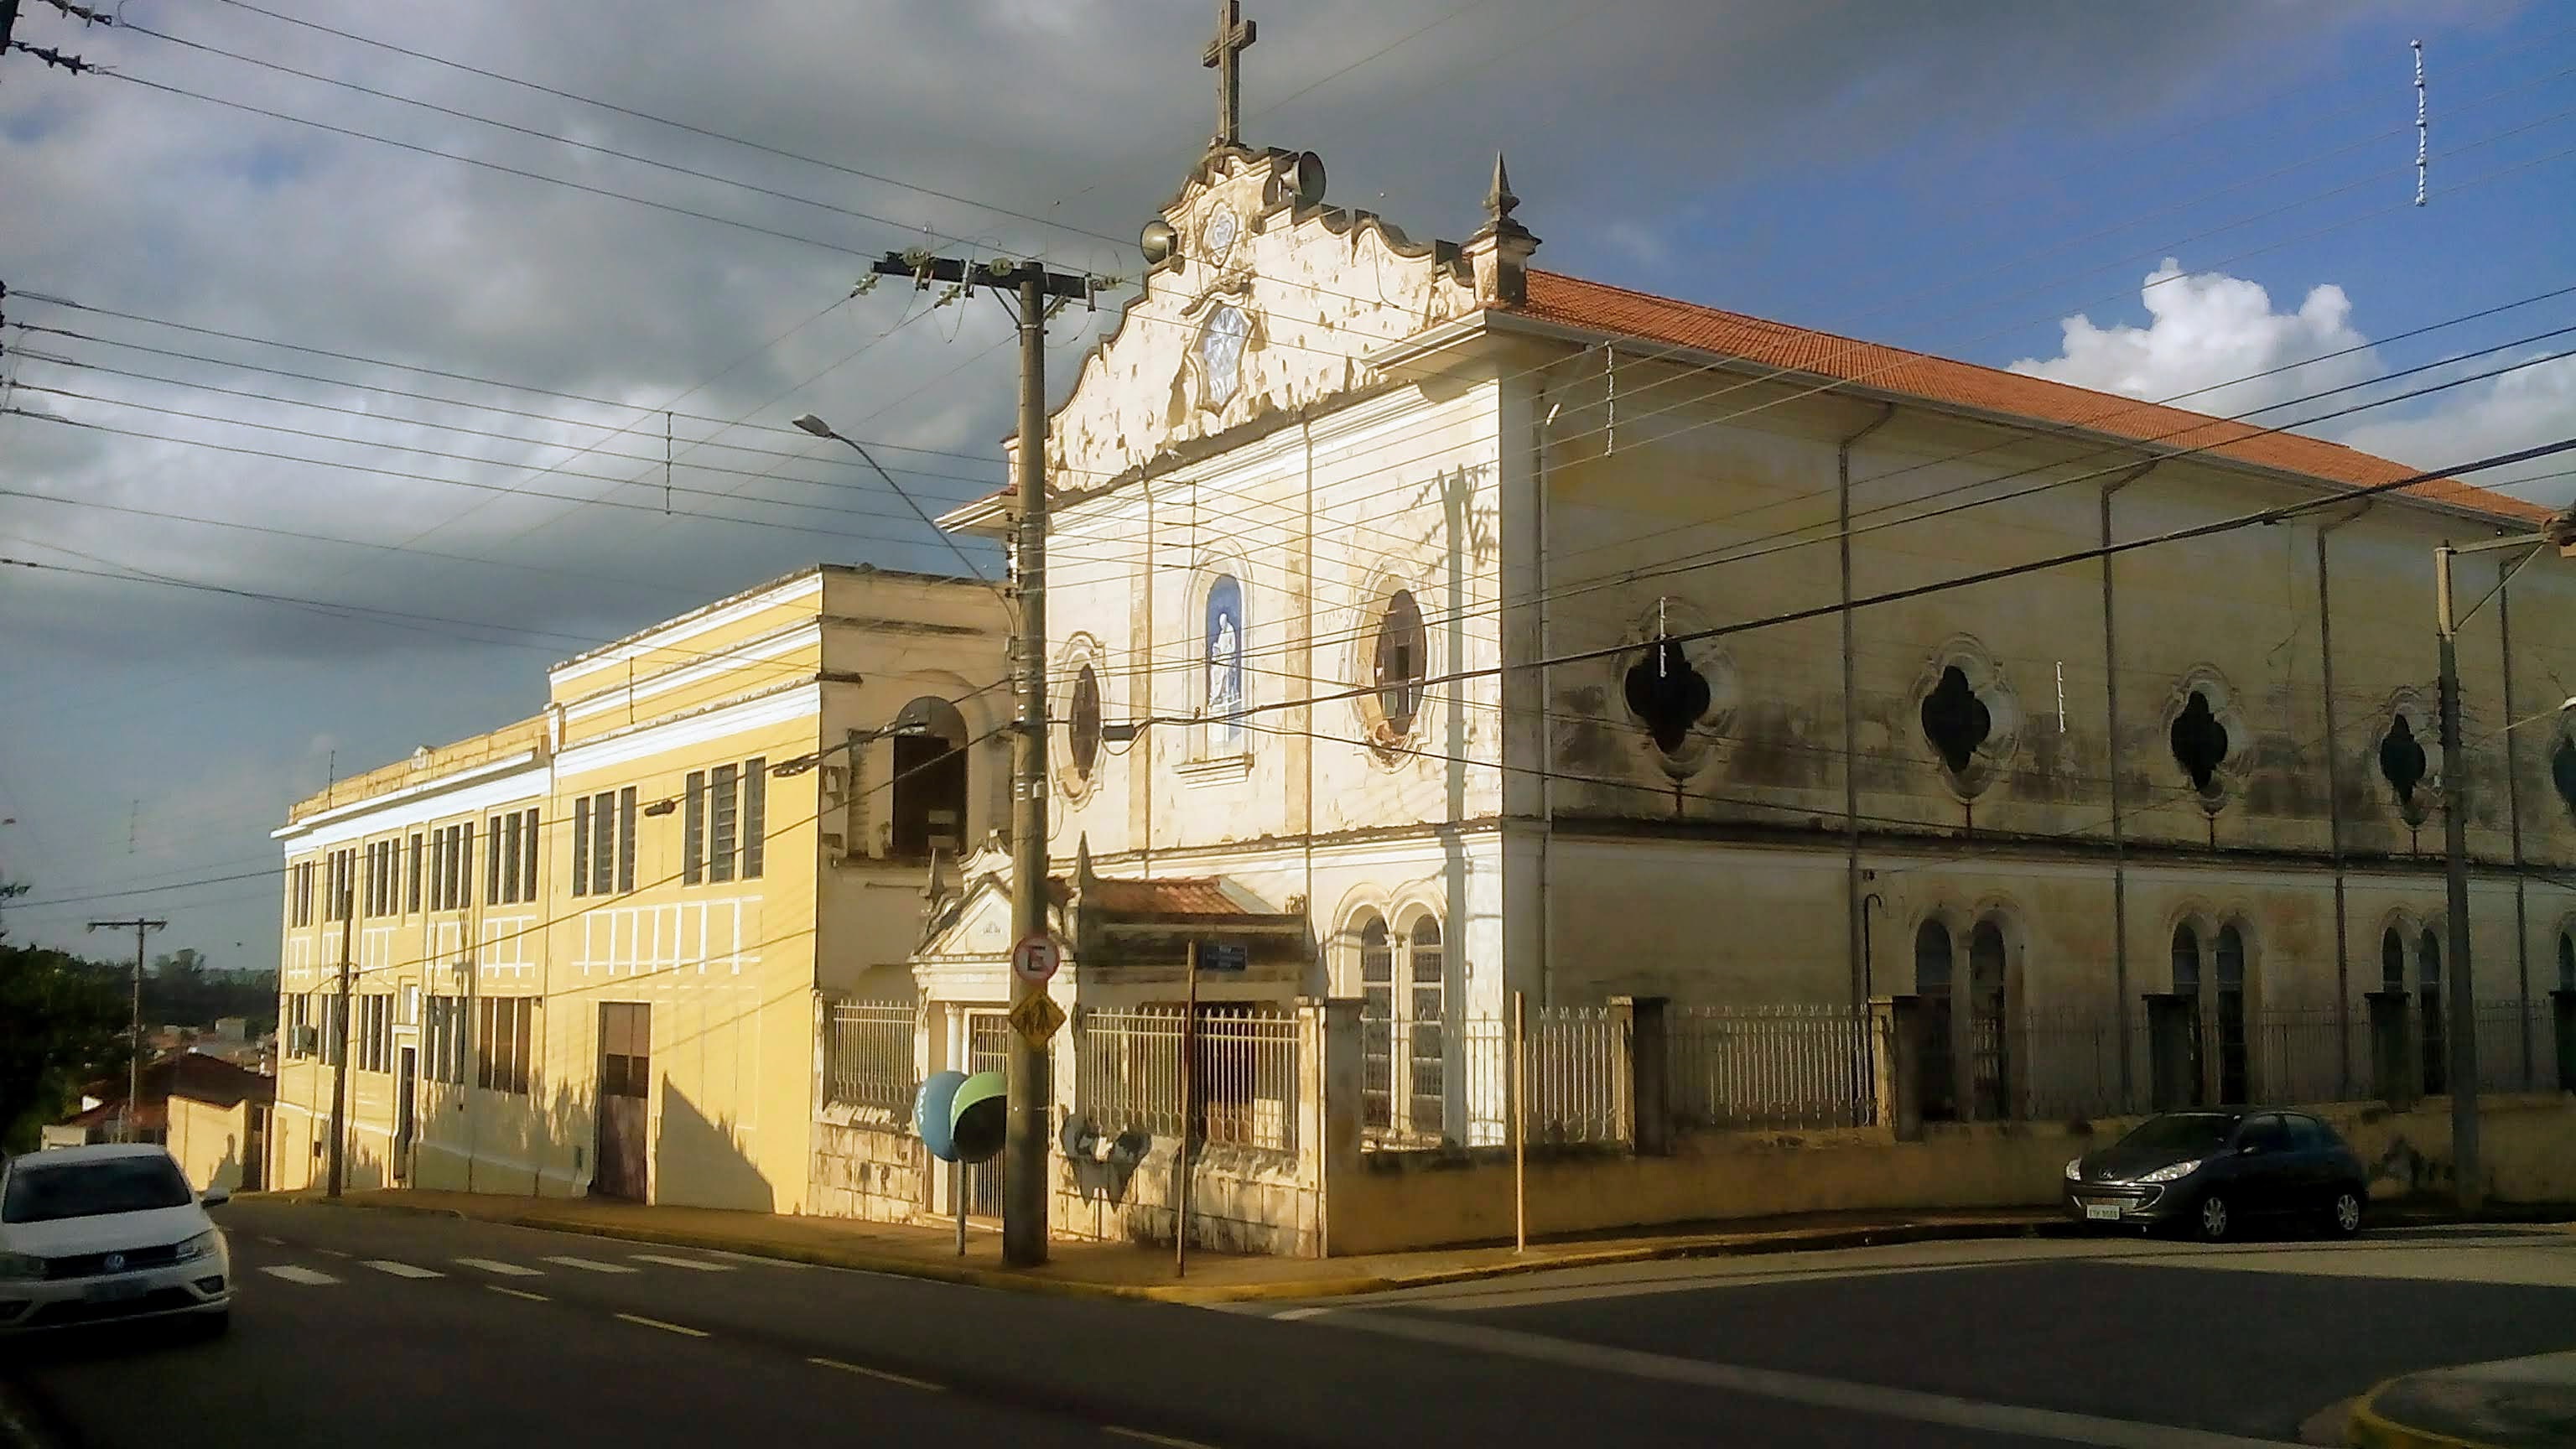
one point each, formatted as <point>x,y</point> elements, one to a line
<point>2186,985</point>
<point>1989,1022</point>
<point>2228,1003</point>
<point>2428,1010</point>
<point>1377,1024</point>
<point>1933,973</point>
<point>1405,1041</point>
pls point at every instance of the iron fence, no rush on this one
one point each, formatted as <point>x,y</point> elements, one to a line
<point>2304,1053</point>
<point>868,1060</point>
<point>1243,1093</point>
<point>2070,1063</point>
<point>1769,1067</point>
<point>1451,1084</point>
<point>2505,1029</point>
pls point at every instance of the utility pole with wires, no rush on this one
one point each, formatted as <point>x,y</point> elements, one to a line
<point>342,897</point>
<point>1036,292</point>
<point>141,927</point>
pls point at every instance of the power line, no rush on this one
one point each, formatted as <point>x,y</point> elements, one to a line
<point>1986,576</point>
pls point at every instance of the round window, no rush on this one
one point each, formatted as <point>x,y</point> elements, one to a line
<point>1086,721</point>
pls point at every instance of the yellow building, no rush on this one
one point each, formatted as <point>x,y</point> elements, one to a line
<point>584,949</point>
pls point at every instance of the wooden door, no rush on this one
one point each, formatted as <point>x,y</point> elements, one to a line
<point>625,1099</point>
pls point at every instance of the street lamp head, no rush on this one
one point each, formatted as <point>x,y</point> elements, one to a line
<point>814,425</point>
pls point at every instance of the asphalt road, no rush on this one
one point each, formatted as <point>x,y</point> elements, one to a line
<point>356,1326</point>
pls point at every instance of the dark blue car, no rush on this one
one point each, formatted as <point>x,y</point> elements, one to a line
<point>2219,1173</point>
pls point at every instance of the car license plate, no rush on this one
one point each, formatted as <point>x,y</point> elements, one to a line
<point>2102,1212</point>
<point>114,1290</point>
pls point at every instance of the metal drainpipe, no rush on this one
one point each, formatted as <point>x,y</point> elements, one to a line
<point>2334,806</point>
<point>1544,415</point>
<point>2119,805</point>
<point>1855,929</point>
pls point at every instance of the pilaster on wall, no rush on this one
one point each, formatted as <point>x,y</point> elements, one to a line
<point>1329,1104</point>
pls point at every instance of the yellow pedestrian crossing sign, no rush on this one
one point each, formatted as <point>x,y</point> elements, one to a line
<point>1037,1019</point>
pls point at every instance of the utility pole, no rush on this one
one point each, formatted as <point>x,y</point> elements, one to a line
<point>2463,999</point>
<point>1026,1179</point>
<point>141,927</point>
<point>340,1033</point>
<point>2461,1004</point>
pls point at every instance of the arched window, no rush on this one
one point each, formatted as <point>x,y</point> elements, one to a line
<point>1988,1031</point>
<point>1428,1024</point>
<point>2186,961</point>
<point>2186,984</point>
<point>2428,994</point>
<point>1398,667</point>
<point>1222,702</point>
<point>2392,960</point>
<point>1932,974</point>
<point>1377,1024</point>
<point>2567,961</point>
<point>2232,1056</point>
<point>929,779</point>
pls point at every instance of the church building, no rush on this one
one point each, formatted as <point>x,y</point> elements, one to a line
<point>1520,633</point>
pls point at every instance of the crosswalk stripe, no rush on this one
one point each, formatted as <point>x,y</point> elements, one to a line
<point>683,1263</point>
<point>292,1274</point>
<point>402,1270</point>
<point>591,1264</point>
<point>490,1265</point>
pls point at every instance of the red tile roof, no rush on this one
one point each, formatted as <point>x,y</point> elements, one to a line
<point>1596,307</point>
<point>1166,896</point>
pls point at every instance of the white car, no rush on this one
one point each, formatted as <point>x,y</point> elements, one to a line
<point>90,1234</point>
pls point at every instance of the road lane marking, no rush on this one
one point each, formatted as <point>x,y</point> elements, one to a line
<point>1797,1388</point>
<point>1164,1439</point>
<point>334,1252</point>
<point>518,1293</point>
<point>665,1327</point>
<point>892,1378</point>
<point>272,1242</point>
<point>590,1264</point>
<point>682,1263</point>
<point>757,1262</point>
<point>311,1276</point>
<point>1294,1315</point>
<point>402,1270</point>
<point>507,1270</point>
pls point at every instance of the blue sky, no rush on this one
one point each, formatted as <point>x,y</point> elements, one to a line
<point>1960,178</point>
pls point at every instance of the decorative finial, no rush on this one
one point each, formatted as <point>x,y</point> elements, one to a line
<point>1499,201</point>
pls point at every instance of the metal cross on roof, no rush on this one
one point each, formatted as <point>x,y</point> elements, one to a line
<point>1234,35</point>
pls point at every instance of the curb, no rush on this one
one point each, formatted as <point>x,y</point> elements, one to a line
<point>1290,1289</point>
<point>2367,1428</point>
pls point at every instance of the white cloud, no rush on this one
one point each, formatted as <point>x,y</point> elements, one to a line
<point>2205,331</point>
<point>2504,415</point>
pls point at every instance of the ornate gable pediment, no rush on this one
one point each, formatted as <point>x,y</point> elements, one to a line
<point>1258,299</point>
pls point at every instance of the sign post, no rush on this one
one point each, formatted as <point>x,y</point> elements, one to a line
<point>1181,1154</point>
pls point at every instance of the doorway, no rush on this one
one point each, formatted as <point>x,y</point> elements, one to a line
<point>625,1099</point>
<point>988,1049</point>
<point>406,1112</point>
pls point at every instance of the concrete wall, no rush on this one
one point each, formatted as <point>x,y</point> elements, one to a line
<point>1384,1202</point>
<point>210,1142</point>
<point>868,1171</point>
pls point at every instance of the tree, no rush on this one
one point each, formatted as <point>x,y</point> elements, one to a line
<point>66,1027</point>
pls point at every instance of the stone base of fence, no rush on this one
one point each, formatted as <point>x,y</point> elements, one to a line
<point>870,1170</point>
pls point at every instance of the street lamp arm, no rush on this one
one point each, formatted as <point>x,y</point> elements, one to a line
<point>821,429</point>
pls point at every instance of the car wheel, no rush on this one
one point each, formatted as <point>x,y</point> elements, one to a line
<point>2343,1219</point>
<point>2213,1221</point>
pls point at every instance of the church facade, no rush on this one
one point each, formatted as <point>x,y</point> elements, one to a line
<point>1524,634</point>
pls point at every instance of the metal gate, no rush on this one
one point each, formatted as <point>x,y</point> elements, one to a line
<point>988,1049</point>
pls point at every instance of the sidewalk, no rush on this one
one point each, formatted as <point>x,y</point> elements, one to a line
<point>1126,1270</point>
<point>2514,1403</point>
